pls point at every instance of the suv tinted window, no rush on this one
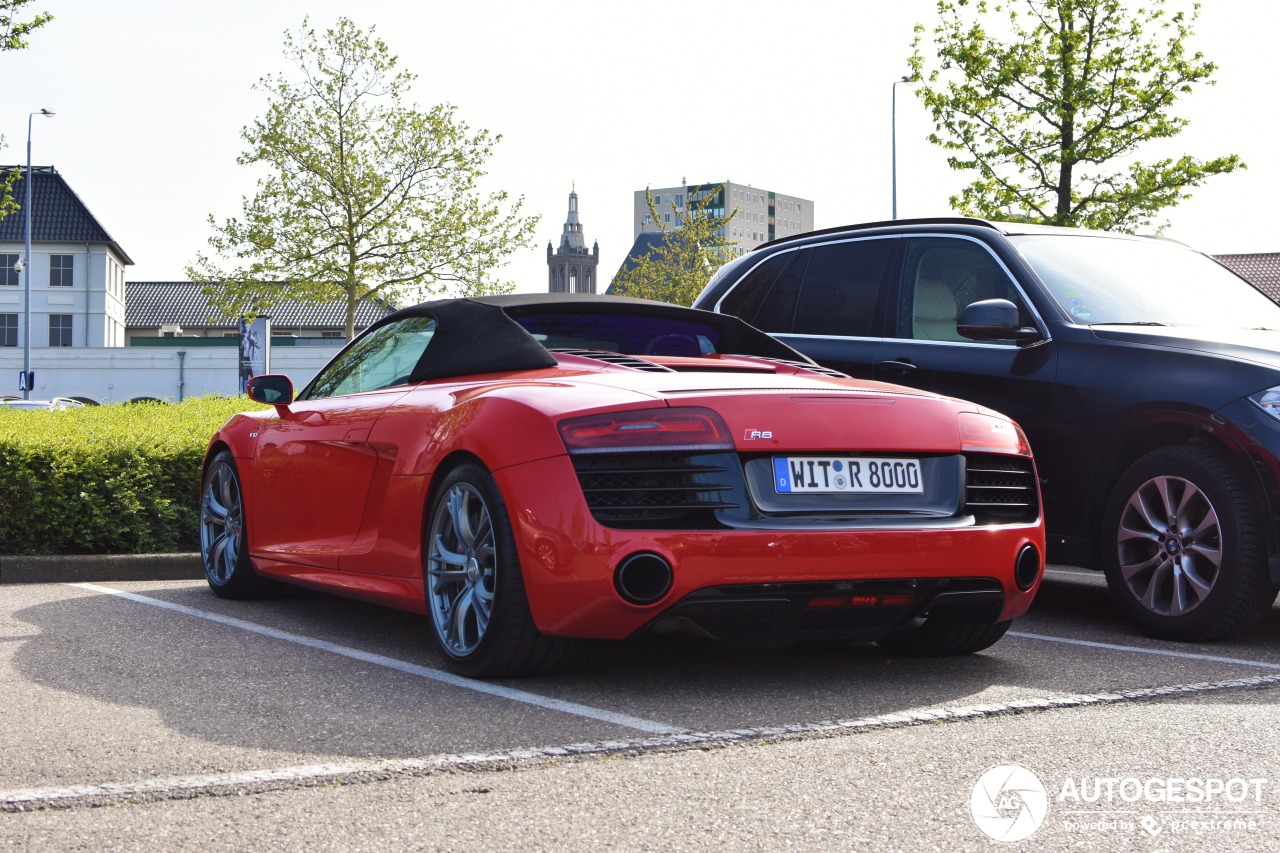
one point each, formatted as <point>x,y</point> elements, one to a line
<point>840,289</point>
<point>766,298</point>
<point>940,276</point>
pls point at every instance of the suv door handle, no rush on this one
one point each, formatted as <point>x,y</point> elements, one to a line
<point>895,364</point>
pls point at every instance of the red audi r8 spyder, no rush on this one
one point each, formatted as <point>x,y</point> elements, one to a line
<point>526,470</point>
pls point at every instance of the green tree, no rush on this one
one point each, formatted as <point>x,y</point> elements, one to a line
<point>13,36</point>
<point>1051,116</point>
<point>364,196</point>
<point>14,30</point>
<point>688,250</point>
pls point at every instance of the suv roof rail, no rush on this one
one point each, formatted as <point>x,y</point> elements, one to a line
<point>887,223</point>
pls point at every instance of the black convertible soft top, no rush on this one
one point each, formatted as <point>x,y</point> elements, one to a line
<point>484,334</point>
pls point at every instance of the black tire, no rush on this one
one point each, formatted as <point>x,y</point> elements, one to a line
<point>940,635</point>
<point>1181,546</point>
<point>474,587</point>
<point>224,548</point>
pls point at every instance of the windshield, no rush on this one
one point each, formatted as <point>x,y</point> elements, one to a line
<point>1100,280</point>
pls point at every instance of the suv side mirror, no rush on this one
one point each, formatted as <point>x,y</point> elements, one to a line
<point>994,320</point>
<point>275,389</point>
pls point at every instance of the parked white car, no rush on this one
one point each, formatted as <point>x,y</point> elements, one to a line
<point>53,405</point>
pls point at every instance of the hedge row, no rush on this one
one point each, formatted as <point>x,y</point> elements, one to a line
<point>119,479</point>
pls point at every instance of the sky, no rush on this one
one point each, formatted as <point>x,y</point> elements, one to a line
<point>605,98</point>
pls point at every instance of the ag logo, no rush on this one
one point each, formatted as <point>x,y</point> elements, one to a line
<point>1009,803</point>
<point>753,434</point>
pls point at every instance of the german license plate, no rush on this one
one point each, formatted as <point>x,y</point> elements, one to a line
<point>853,475</point>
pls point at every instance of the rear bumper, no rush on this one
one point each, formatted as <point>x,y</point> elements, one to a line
<point>568,561</point>
<point>774,614</point>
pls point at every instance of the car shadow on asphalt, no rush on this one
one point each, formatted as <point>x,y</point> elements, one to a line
<point>1076,603</point>
<point>227,685</point>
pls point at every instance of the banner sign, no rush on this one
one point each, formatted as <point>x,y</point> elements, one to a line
<point>255,350</point>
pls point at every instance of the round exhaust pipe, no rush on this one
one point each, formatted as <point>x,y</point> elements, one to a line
<point>1026,569</point>
<point>643,578</point>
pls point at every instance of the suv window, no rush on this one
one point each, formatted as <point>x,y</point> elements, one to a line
<point>766,298</point>
<point>824,290</point>
<point>840,289</point>
<point>940,276</point>
<point>1126,280</point>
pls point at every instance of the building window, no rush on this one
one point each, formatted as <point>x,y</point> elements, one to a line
<point>666,217</point>
<point>61,268</point>
<point>60,329</point>
<point>8,330</point>
<point>8,275</point>
<point>331,334</point>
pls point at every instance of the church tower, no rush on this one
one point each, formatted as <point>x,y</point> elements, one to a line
<point>571,268</point>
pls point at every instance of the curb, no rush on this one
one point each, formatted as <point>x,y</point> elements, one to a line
<point>105,567</point>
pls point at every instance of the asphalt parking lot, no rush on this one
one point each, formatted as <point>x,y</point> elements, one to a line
<point>149,712</point>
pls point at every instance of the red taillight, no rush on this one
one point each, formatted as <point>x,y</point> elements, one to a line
<point>647,429</point>
<point>987,434</point>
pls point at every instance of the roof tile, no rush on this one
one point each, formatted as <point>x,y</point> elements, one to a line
<point>151,304</point>
<point>58,214</point>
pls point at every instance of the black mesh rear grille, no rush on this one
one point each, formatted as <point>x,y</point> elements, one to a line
<point>656,489</point>
<point>1000,489</point>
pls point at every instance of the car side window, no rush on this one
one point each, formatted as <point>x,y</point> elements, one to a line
<point>766,297</point>
<point>840,287</point>
<point>940,277</point>
<point>383,358</point>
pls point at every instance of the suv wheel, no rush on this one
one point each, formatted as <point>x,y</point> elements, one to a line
<point>1182,552</point>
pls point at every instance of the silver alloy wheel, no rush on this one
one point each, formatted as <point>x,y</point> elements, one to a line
<point>1170,545</point>
<point>221,522</point>
<point>461,570</point>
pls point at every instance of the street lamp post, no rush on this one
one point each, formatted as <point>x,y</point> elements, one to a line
<point>27,378</point>
<point>893,132</point>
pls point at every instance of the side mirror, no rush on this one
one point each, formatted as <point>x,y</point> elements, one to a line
<point>994,320</point>
<point>274,389</point>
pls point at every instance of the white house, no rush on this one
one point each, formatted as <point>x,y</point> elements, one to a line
<point>77,270</point>
<point>90,331</point>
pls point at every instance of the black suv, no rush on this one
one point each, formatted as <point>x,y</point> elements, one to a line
<point>1146,375</point>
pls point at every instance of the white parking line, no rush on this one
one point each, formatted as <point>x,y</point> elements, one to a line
<point>1074,570</point>
<point>1143,650</point>
<point>353,772</point>
<point>485,687</point>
